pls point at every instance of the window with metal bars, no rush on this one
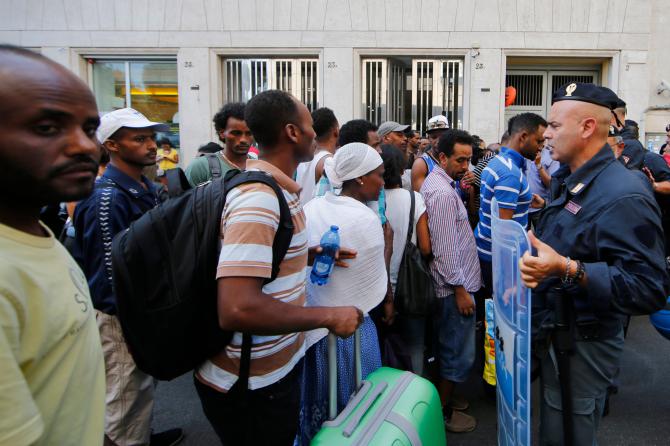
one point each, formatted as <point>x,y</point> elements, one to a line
<point>558,80</point>
<point>529,89</point>
<point>373,91</point>
<point>244,78</point>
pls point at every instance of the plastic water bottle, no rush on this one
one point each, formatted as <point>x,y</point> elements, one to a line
<point>324,262</point>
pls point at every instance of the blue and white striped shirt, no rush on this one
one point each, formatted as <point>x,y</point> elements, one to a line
<point>504,179</point>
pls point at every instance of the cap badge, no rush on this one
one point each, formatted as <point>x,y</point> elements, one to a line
<point>570,89</point>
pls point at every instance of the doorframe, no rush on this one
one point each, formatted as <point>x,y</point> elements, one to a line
<point>609,73</point>
<point>360,53</point>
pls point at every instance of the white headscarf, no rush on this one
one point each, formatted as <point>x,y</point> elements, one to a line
<point>351,161</point>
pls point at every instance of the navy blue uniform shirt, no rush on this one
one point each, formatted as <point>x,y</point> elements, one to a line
<point>116,201</point>
<point>633,151</point>
<point>605,216</point>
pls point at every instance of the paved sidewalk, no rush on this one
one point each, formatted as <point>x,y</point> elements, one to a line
<point>639,414</point>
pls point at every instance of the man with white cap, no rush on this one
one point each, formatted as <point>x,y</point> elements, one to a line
<point>422,166</point>
<point>121,195</point>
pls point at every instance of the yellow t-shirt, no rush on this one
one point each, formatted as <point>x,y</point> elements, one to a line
<point>168,161</point>
<point>52,376</point>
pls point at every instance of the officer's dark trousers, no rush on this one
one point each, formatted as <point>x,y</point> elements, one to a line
<point>593,367</point>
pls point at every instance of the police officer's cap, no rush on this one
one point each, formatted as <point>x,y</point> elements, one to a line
<point>578,91</point>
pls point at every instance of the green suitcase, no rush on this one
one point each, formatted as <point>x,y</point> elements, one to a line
<point>391,408</point>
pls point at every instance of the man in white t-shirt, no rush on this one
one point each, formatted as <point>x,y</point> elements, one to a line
<point>327,131</point>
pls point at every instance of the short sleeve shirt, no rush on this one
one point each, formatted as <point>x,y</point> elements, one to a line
<point>198,171</point>
<point>504,178</point>
<point>52,373</point>
<point>550,165</point>
<point>249,224</point>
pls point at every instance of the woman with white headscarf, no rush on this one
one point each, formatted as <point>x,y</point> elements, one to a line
<point>358,170</point>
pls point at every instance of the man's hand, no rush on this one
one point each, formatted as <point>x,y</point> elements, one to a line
<point>538,160</point>
<point>341,255</point>
<point>345,321</point>
<point>650,176</point>
<point>389,312</point>
<point>547,263</point>
<point>468,178</point>
<point>464,302</point>
<point>388,306</point>
<point>538,202</point>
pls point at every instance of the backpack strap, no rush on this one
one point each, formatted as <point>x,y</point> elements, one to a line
<point>410,230</point>
<point>177,183</point>
<point>245,362</point>
<point>214,166</point>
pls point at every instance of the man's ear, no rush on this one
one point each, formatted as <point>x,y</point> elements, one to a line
<point>590,125</point>
<point>443,159</point>
<point>523,138</point>
<point>291,131</point>
<point>111,146</point>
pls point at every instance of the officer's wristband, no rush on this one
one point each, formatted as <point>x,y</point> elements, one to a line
<point>566,278</point>
<point>581,270</point>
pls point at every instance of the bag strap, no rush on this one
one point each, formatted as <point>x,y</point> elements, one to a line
<point>410,230</point>
<point>214,166</point>
<point>245,361</point>
<point>177,183</point>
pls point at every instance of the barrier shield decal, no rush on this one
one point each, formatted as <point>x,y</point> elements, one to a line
<point>512,330</point>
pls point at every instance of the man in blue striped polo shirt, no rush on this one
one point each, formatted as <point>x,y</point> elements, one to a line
<point>504,179</point>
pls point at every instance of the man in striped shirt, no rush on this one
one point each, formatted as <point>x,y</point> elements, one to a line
<point>455,272</point>
<point>267,411</point>
<point>504,179</point>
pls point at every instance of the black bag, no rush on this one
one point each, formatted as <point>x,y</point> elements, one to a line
<point>164,271</point>
<point>414,292</point>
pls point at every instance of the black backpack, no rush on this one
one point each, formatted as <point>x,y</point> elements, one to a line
<point>414,292</point>
<point>164,272</point>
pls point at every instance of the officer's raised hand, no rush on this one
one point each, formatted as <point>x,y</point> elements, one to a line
<point>547,263</point>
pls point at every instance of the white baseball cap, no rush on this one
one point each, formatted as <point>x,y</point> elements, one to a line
<point>438,122</point>
<point>126,117</point>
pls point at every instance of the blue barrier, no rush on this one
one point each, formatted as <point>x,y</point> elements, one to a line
<point>512,330</point>
<point>661,320</point>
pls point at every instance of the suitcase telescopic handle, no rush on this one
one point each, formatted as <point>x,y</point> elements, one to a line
<point>332,370</point>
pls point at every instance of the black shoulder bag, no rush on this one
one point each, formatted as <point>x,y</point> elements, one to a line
<point>414,293</point>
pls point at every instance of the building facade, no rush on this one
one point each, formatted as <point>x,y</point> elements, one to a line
<point>178,61</point>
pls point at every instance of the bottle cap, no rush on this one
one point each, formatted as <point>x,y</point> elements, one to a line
<point>334,228</point>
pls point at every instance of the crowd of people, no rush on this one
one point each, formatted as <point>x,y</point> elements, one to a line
<point>594,200</point>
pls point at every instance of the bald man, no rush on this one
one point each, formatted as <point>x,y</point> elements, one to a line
<point>599,250</point>
<point>51,365</point>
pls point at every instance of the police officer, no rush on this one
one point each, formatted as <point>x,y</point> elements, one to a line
<point>633,152</point>
<point>599,255</point>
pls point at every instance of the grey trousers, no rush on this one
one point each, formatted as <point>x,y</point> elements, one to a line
<point>593,367</point>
